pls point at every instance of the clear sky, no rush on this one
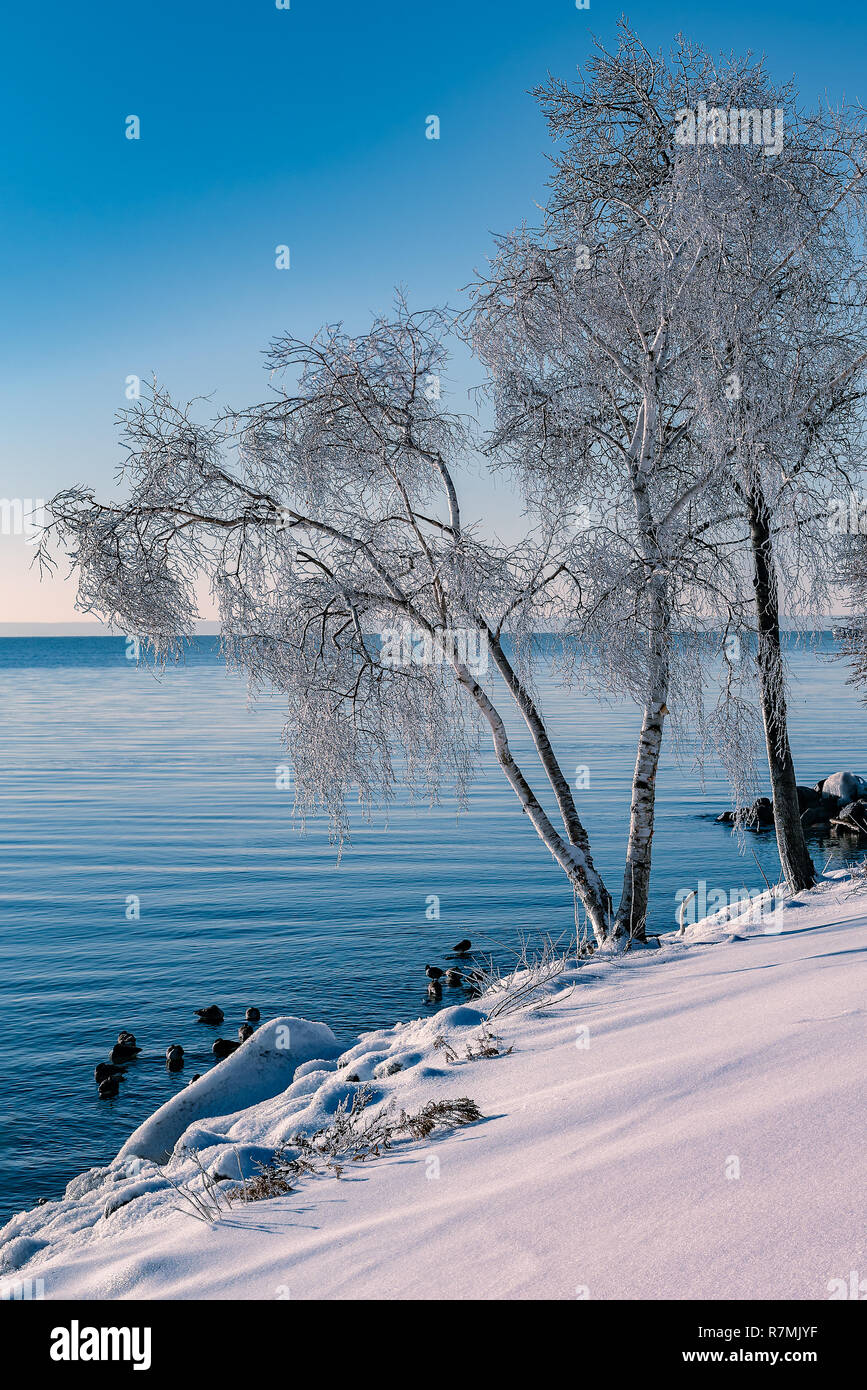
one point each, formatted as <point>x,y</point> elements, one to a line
<point>261,127</point>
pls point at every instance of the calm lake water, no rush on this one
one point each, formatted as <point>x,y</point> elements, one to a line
<point>116,784</point>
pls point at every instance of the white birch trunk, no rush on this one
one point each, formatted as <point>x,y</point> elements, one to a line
<point>632,911</point>
<point>631,917</point>
<point>572,858</point>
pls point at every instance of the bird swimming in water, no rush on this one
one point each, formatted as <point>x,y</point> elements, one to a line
<point>252,1015</point>
<point>174,1057</point>
<point>106,1069</point>
<point>224,1047</point>
<point>454,978</point>
<point>435,991</point>
<point>245,1032</point>
<point>126,1037</point>
<point>462,948</point>
<point>212,1014</point>
<point>433,972</point>
<point>108,1088</point>
<point>125,1051</point>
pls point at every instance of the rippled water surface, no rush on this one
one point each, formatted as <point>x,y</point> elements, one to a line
<point>115,784</point>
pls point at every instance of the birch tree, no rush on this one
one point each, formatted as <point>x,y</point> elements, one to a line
<point>593,330</point>
<point>727,390</point>
<point>328,522</point>
<point>788,335</point>
<point>792,442</point>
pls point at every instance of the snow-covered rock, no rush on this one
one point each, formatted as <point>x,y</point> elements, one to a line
<point>847,786</point>
<point>263,1066</point>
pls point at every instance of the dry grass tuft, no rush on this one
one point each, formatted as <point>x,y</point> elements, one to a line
<point>353,1138</point>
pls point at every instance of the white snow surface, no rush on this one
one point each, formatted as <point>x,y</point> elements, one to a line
<point>680,1122</point>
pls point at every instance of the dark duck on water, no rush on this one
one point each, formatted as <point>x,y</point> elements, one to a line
<point>212,1014</point>
<point>125,1049</point>
<point>103,1070</point>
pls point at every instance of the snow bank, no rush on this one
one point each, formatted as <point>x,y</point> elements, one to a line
<point>680,1122</point>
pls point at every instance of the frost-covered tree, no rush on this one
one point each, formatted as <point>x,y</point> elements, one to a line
<point>328,522</point>
<point>650,353</point>
<point>853,639</point>
<point>787,334</point>
<point>792,440</point>
<point>593,329</point>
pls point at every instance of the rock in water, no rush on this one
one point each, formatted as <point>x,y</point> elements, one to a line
<point>808,797</point>
<point>852,820</point>
<point>754,817</point>
<point>760,814</point>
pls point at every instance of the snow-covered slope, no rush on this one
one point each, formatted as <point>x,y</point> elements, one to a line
<point>684,1122</point>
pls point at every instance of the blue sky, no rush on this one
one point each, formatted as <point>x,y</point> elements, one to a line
<point>259,127</point>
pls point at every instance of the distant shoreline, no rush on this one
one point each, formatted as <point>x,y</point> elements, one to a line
<point>211,628</point>
<point>204,629</point>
